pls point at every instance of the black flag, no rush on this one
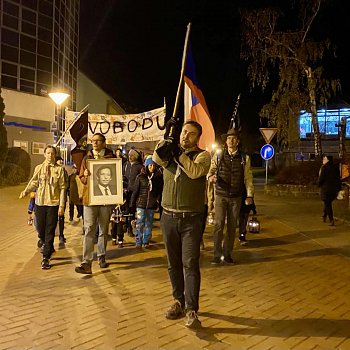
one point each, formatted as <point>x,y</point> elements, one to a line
<point>78,132</point>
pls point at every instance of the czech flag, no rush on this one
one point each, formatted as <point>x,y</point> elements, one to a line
<point>195,106</point>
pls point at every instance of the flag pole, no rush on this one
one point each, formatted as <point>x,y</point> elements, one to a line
<point>184,54</point>
<point>72,122</point>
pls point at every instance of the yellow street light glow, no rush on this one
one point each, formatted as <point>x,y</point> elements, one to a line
<point>58,97</point>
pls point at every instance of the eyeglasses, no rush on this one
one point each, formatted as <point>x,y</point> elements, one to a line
<point>97,140</point>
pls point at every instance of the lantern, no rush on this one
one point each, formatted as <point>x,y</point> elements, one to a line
<point>253,225</point>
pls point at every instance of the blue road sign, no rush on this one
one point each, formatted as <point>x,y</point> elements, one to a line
<point>267,152</point>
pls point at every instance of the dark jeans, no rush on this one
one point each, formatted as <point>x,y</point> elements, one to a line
<point>61,225</point>
<point>46,219</point>
<point>182,239</point>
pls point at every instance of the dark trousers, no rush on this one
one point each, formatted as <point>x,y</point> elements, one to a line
<point>328,209</point>
<point>80,210</point>
<point>61,225</point>
<point>117,231</point>
<point>46,219</point>
<point>182,239</point>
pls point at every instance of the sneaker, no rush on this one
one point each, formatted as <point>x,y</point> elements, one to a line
<point>102,262</point>
<point>40,243</point>
<point>228,260</point>
<point>175,311</point>
<point>146,245</point>
<point>120,244</point>
<point>216,261</point>
<point>84,268</point>
<point>192,320</point>
<point>114,241</point>
<point>45,264</point>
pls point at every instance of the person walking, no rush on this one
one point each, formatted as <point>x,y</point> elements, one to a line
<point>147,189</point>
<point>74,197</point>
<point>232,175</point>
<point>330,184</point>
<point>183,201</point>
<point>131,169</point>
<point>49,183</point>
<point>62,239</point>
<point>94,214</point>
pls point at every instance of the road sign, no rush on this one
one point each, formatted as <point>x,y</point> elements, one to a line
<point>268,133</point>
<point>267,152</point>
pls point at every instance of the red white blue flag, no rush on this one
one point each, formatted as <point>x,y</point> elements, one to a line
<point>195,106</point>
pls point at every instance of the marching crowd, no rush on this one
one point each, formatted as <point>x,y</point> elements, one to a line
<point>181,180</point>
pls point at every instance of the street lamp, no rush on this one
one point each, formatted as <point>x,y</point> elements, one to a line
<point>58,98</point>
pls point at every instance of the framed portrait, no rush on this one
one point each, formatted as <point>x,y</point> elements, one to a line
<point>105,184</point>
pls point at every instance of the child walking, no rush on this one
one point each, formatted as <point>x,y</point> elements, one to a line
<point>147,190</point>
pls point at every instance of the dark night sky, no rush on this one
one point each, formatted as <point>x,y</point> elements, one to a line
<point>133,48</point>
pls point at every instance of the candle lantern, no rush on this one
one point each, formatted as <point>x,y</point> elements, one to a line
<point>253,225</point>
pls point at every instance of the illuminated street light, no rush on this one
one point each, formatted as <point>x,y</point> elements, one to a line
<point>59,98</point>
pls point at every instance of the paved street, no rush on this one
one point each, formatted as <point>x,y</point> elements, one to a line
<point>289,290</point>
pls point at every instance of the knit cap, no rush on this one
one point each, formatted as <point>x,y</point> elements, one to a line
<point>148,161</point>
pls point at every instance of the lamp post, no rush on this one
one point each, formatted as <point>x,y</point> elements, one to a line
<point>59,98</point>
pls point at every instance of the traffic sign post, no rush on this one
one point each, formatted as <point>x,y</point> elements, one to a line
<point>267,152</point>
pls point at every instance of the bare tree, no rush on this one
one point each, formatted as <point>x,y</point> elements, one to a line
<point>283,50</point>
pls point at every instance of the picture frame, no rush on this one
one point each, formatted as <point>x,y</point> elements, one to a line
<point>105,183</point>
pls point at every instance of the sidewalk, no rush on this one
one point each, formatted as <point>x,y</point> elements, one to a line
<point>290,289</point>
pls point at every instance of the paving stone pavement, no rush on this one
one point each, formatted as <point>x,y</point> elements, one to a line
<point>289,290</point>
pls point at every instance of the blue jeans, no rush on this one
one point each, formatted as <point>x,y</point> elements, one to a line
<point>144,222</point>
<point>93,215</point>
<point>182,239</point>
<point>225,206</point>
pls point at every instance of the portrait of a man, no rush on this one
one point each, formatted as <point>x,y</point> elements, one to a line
<point>104,181</point>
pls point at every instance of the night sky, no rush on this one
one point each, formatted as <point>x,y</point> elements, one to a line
<point>133,49</point>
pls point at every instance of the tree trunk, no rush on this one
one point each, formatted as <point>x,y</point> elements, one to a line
<point>313,105</point>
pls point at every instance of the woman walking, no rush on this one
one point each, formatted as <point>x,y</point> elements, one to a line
<point>49,183</point>
<point>330,184</point>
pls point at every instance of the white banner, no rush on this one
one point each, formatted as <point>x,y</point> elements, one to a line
<point>120,129</point>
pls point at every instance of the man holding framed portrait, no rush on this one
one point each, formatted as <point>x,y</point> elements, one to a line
<point>100,172</point>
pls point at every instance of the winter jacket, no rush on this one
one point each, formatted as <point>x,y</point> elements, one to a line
<point>329,181</point>
<point>143,196</point>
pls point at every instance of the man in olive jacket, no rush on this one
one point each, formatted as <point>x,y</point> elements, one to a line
<point>183,202</point>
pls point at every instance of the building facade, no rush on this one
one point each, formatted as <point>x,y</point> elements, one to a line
<point>39,46</point>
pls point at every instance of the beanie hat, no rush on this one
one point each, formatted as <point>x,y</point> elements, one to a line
<point>148,161</point>
<point>136,153</point>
